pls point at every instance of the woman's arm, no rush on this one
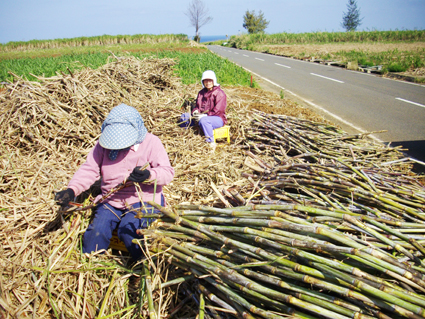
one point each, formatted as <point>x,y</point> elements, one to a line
<point>89,172</point>
<point>198,103</point>
<point>219,104</point>
<point>160,167</point>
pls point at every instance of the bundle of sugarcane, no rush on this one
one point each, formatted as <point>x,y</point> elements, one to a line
<point>315,141</point>
<point>263,260</point>
<point>352,204</point>
<point>336,184</point>
<point>300,160</point>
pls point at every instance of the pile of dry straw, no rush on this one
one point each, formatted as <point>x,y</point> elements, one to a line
<point>46,130</point>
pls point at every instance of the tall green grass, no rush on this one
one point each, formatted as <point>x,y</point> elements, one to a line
<point>102,40</point>
<point>49,66</point>
<point>189,67</point>
<point>392,61</point>
<point>116,48</point>
<point>243,41</point>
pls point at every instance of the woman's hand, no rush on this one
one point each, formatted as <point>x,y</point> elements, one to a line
<point>139,175</point>
<point>197,116</point>
<point>64,197</point>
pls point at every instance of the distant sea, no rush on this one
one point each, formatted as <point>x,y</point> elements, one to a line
<point>209,38</point>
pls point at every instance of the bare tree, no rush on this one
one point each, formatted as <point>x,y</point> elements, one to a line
<point>198,15</point>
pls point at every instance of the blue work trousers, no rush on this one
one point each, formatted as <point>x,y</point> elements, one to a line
<point>207,123</point>
<point>99,233</point>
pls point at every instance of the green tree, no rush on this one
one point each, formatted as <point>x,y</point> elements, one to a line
<point>254,23</point>
<point>198,16</point>
<point>351,19</point>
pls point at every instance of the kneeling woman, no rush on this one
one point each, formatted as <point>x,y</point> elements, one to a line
<point>124,147</point>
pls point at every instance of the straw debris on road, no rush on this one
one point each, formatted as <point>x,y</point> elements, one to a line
<point>302,173</point>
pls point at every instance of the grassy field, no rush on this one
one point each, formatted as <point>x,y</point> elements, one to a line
<point>329,37</point>
<point>103,40</point>
<point>396,51</point>
<point>33,59</point>
<point>190,65</point>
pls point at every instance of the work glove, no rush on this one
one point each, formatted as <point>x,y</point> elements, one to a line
<point>64,197</point>
<point>139,175</point>
<point>197,116</point>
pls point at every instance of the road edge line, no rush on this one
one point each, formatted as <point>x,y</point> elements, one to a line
<point>316,106</point>
<point>362,131</point>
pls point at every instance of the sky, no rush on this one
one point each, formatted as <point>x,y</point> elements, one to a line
<point>24,20</point>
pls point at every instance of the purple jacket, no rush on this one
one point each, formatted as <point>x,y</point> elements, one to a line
<point>212,102</point>
<point>114,172</point>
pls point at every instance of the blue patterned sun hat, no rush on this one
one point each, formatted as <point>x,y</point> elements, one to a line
<point>122,128</point>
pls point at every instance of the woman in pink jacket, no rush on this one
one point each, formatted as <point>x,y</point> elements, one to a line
<point>210,110</point>
<point>124,147</point>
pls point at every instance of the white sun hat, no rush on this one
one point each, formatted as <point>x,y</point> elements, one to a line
<point>209,75</point>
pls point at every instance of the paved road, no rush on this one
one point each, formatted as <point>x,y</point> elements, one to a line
<point>357,101</point>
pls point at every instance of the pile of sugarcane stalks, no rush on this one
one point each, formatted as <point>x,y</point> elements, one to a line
<point>46,130</point>
<point>267,261</point>
<point>64,113</point>
<point>293,138</point>
<point>312,163</point>
<point>325,224</point>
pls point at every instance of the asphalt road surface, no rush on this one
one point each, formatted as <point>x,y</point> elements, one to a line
<point>358,102</point>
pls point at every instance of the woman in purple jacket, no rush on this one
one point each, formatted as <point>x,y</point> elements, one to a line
<point>210,110</point>
<point>123,149</point>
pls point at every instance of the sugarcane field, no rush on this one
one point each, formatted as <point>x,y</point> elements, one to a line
<point>294,218</point>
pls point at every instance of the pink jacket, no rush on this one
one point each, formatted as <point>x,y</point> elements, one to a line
<point>212,102</point>
<point>114,172</point>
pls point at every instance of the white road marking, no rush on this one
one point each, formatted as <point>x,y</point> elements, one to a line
<point>285,66</point>
<point>259,59</point>
<point>319,107</point>
<point>407,101</point>
<point>246,55</point>
<point>235,52</point>
<point>362,73</point>
<point>325,77</point>
<point>326,111</point>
